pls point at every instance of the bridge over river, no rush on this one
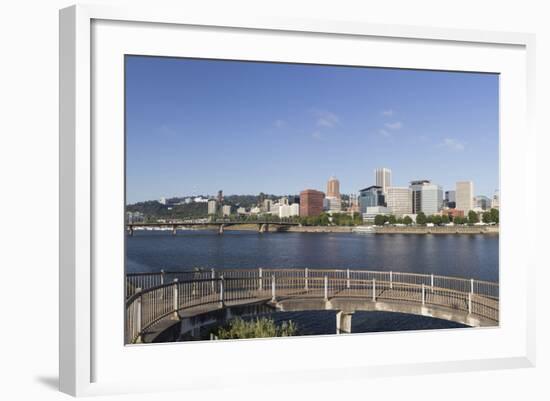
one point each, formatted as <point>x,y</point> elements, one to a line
<point>263,226</point>
<point>189,300</point>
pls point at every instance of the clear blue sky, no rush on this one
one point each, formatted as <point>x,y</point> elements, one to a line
<point>197,126</point>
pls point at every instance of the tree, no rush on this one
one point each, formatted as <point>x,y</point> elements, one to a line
<point>486,218</point>
<point>436,220</point>
<point>473,217</point>
<point>392,219</point>
<point>379,220</point>
<point>407,220</point>
<point>494,215</point>
<point>421,219</point>
<point>445,219</point>
<point>459,220</point>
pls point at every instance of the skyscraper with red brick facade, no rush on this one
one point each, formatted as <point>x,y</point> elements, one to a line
<point>311,202</point>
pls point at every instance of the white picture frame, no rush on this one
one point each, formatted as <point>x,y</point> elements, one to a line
<point>84,353</point>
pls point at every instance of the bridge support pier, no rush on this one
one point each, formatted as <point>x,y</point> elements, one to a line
<point>343,322</point>
<point>220,230</point>
<point>263,228</point>
<point>131,231</point>
<point>174,230</point>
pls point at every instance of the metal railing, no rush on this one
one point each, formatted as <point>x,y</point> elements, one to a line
<point>152,297</point>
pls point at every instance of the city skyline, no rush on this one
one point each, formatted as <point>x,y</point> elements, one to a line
<point>317,122</point>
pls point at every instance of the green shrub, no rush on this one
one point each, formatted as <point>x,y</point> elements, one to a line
<point>257,328</point>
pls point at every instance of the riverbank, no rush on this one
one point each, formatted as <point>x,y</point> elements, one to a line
<point>493,230</point>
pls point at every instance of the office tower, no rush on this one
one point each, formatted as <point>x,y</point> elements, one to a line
<point>212,206</point>
<point>495,204</point>
<point>266,206</point>
<point>333,187</point>
<point>399,200</point>
<point>383,178</point>
<point>482,202</point>
<point>450,199</point>
<point>465,196</point>
<point>220,196</point>
<point>371,196</point>
<point>426,197</point>
<point>311,202</point>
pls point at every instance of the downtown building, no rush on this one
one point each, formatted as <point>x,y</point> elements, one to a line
<point>465,196</point>
<point>311,202</point>
<point>399,200</point>
<point>426,197</point>
<point>383,178</point>
<point>212,206</point>
<point>333,199</point>
<point>370,197</point>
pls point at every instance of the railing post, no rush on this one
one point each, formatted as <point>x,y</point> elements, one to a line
<point>347,281</point>
<point>221,290</point>
<point>470,303</point>
<point>391,279</point>
<point>138,317</point>
<point>213,277</point>
<point>471,286</point>
<point>373,290</point>
<point>175,298</point>
<point>432,282</point>
<point>261,284</point>
<point>161,276</point>
<point>423,294</point>
<point>273,294</point>
<point>326,288</point>
<point>306,278</point>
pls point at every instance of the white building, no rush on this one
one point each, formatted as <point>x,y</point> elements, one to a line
<point>162,201</point>
<point>289,210</point>
<point>241,210</point>
<point>334,204</point>
<point>495,204</point>
<point>267,205</point>
<point>383,178</point>
<point>399,200</point>
<point>255,210</point>
<point>465,196</point>
<point>226,210</point>
<point>373,211</point>
<point>212,206</point>
<point>426,197</point>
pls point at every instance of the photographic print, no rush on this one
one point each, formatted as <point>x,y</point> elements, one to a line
<point>272,199</point>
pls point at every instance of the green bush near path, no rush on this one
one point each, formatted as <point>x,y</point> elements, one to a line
<point>257,328</point>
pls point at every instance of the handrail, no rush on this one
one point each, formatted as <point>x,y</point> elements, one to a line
<point>148,305</point>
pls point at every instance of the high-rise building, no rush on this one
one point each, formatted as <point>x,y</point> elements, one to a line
<point>220,196</point>
<point>383,178</point>
<point>399,200</point>
<point>482,202</point>
<point>212,206</point>
<point>465,196</point>
<point>370,197</point>
<point>333,187</point>
<point>450,199</point>
<point>266,206</point>
<point>495,204</point>
<point>226,210</point>
<point>353,203</point>
<point>426,197</point>
<point>311,202</point>
<point>334,204</point>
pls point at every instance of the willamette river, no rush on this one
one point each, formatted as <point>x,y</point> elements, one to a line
<point>467,256</point>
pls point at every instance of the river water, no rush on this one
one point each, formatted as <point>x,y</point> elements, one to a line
<point>466,256</point>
